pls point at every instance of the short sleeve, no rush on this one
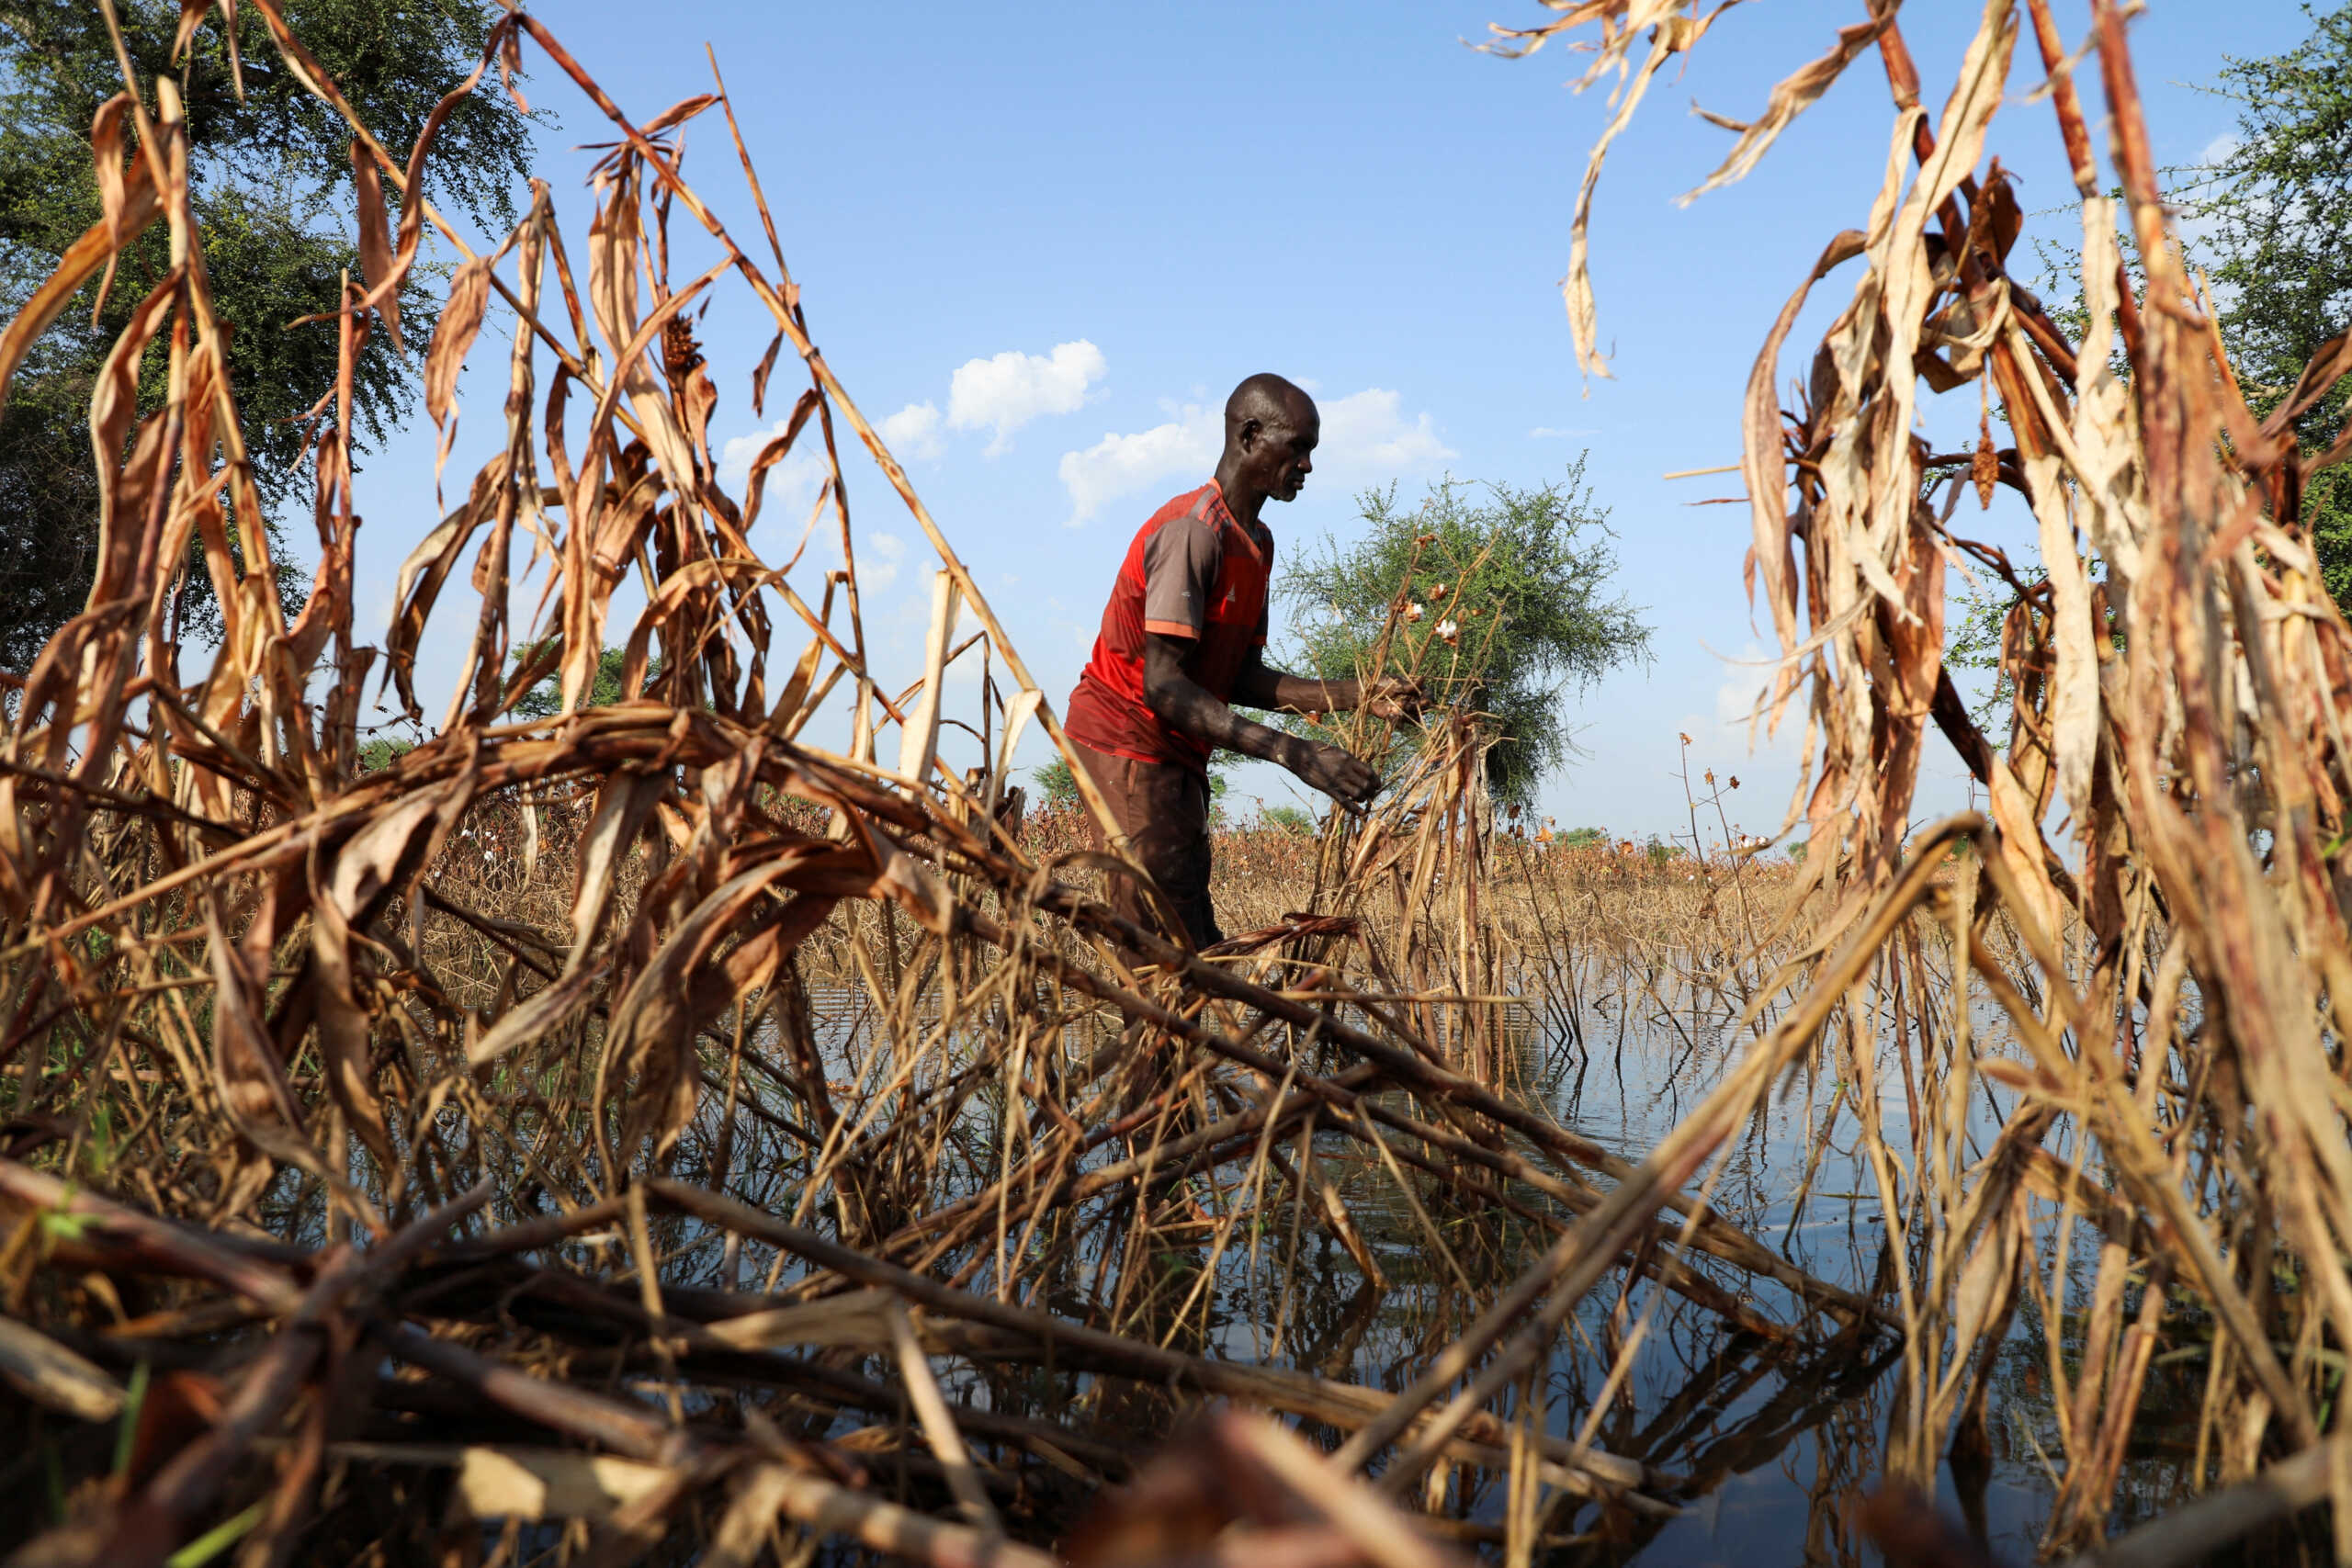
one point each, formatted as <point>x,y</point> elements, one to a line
<point>1180,567</point>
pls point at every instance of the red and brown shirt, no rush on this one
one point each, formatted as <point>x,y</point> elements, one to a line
<point>1193,571</point>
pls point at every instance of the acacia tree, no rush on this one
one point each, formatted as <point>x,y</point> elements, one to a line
<point>1515,608</point>
<point>2280,249</point>
<point>2273,240</point>
<point>269,169</point>
<point>546,699</point>
<point>1059,785</point>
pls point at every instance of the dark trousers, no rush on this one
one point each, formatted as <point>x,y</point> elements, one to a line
<point>1163,809</point>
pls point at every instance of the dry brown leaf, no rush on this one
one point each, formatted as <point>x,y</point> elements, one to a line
<point>50,1375</point>
<point>453,334</point>
<point>376,261</point>
<point>1791,97</point>
<point>95,250</point>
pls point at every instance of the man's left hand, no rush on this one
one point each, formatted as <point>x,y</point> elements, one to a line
<point>1395,697</point>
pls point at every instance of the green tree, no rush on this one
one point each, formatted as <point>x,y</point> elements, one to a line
<point>382,751</point>
<point>271,184</point>
<point>2280,250</point>
<point>1512,587</point>
<point>2270,234</point>
<point>1973,642</point>
<point>1295,820</point>
<point>546,699</point>
<point>1060,786</point>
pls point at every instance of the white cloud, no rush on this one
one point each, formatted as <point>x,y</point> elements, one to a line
<point>1552,432</point>
<point>1117,465</point>
<point>735,457</point>
<point>1364,436</point>
<point>880,567</point>
<point>791,485</point>
<point>1743,688</point>
<point>1000,394</point>
<point>913,430</point>
<point>1747,678</point>
<point>1006,392</point>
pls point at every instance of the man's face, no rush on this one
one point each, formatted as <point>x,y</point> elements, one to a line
<point>1283,453</point>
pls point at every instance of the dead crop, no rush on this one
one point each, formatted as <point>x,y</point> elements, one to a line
<point>642,1132</point>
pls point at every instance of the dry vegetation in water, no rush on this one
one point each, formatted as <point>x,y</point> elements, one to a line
<point>360,1189</point>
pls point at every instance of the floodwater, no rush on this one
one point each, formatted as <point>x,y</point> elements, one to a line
<point>1776,1441</point>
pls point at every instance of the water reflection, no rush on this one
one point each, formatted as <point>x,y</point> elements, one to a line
<point>1765,1442</point>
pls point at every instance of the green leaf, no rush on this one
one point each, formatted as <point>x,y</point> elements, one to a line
<point>217,1540</point>
<point>59,1226</point>
<point>127,1430</point>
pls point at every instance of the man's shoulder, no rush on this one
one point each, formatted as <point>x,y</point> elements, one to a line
<point>1194,515</point>
<point>1199,503</point>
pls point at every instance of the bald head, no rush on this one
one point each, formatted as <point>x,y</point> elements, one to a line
<point>1271,429</point>
<point>1267,397</point>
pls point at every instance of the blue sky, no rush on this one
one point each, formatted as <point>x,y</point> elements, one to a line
<point>1043,241</point>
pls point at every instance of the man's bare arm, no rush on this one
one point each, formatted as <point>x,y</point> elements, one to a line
<point>1187,707</point>
<point>1260,686</point>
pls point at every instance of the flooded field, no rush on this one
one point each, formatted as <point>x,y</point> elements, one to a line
<point>1761,1441</point>
<point>617,1128</point>
<point>1078,1235</point>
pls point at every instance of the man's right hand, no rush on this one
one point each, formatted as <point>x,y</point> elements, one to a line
<point>1394,697</point>
<point>1338,773</point>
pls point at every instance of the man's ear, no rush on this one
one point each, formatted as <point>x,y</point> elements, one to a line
<point>1250,434</point>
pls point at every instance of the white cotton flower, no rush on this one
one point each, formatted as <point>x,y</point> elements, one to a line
<point>1448,630</point>
<point>1413,612</point>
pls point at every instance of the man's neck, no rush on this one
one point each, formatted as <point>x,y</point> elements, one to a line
<point>1243,503</point>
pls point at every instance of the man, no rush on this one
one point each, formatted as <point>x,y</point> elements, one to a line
<point>1183,636</point>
